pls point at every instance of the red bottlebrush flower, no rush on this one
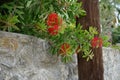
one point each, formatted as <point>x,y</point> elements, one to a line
<point>53,19</point>
<point>53,30</point>
<point>96,42</point>
<point>65,47</point>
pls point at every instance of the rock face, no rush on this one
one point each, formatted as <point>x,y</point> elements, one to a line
<point>111,59</point>
<point>24,57</point>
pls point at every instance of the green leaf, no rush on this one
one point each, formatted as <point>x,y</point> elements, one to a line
<point>93,30</point>
<point>13,19</point>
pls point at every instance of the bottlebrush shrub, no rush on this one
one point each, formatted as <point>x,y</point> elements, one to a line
<point>65,43</point>
<point>53,21</point>
<point>66,40</point>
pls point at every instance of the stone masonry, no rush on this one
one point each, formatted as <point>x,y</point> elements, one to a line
<point>25,57</point>
<point>111,61</point>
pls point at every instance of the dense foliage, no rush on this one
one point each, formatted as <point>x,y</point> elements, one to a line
<point>116,35</point>
<point>110,19</point>
<point>53,21</point>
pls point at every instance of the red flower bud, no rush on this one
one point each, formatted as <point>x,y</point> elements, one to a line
<point>54,19</point>
<point>53,30</point>
<point>65,47</point>
<point>96,42</point>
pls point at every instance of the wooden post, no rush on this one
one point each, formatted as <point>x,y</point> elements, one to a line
<point>91,70</point>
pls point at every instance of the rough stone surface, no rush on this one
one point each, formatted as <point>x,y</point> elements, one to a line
<point>25,57</point>
<point>111,59</point>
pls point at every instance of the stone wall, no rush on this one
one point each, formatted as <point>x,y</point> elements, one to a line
<point>25,57</point>
<point>111,59</point>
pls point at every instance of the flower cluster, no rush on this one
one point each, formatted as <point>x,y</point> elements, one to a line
<point>53,30</point>
<point>54,22</point>
<point>96,42</point>
<point>65,48</point>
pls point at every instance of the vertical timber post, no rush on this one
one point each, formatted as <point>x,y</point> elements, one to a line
<point>93,69</point>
